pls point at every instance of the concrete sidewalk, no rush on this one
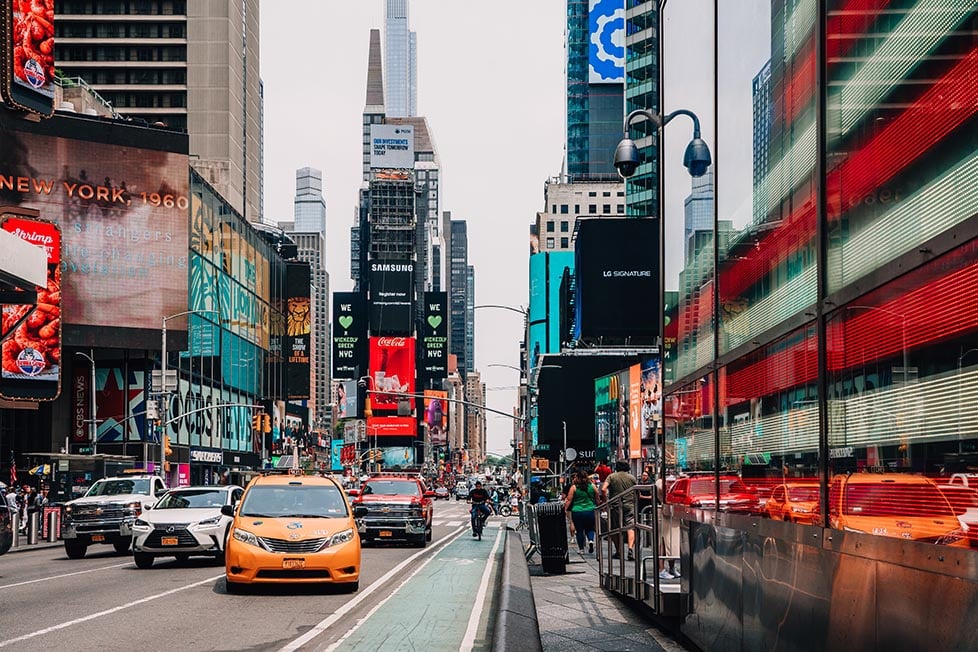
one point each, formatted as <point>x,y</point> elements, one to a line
<point>575,614</point>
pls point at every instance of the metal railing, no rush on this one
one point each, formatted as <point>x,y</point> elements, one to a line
<point>78,82</point>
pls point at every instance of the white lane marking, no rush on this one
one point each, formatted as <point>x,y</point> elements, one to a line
<point>107,612</point>
<point>376,608</point>
<point>480,599</point>
<point>362,595</point>
<point>57,577</point>
<point>454,523</point>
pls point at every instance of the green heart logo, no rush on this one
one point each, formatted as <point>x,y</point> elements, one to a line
<point>346,321</point>
<point>435,321</point>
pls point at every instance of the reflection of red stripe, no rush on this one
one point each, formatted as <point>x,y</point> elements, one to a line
<point>947,104</point>
<point>792,366</point>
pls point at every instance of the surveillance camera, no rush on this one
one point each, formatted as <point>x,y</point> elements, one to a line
<point>697,157</point>
<point>627,158</point>
<point>362,383</point>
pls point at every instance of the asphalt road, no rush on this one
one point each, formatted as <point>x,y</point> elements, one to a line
<point>438,598</point>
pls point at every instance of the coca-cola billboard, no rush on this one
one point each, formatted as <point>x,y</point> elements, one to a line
<point>391,371</point>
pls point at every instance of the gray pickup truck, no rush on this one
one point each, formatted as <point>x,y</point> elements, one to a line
<point>105,514</point>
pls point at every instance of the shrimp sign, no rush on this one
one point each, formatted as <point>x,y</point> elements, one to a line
<point>32,355</point>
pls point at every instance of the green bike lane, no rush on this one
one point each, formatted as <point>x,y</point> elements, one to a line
<point>444,605</point>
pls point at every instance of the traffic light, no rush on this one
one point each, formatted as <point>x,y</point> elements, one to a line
<point>256,422</point>
<point>519,447</point>
<point>167,451</point>
<point>266,423</point>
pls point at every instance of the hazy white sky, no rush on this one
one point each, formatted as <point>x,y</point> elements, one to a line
<point>490,82</point>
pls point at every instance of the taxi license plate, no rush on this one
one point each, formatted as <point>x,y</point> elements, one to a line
<point>170,541</point>
<point>386,533</point>
<point>98,537</point>
<point>293,563</point>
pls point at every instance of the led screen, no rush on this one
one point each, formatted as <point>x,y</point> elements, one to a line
<point>391,370</point>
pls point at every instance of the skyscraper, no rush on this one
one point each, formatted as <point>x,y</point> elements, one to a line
<point>310,207</point>
<point>761,95</point>
<point>595,85</point>
<point>642,92</point>
<point>191,66</point>
<point>458,287</point>
<point>469,318</point>
<point>401,61</point>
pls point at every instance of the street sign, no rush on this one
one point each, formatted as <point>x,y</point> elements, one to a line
<point>157,383</point>
<point>152,410</point>
<point>84,450</point>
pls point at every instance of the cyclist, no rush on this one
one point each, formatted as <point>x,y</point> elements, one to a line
<point>479,497</point>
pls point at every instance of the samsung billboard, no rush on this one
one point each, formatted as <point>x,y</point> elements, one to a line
<point>391,297</point>
<point>392,146</point>
<point>617,274</point>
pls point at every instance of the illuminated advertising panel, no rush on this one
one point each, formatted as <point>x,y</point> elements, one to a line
<point>28,61</point>
<point>392,146</point>
<point>347,405</point>
<point>398,456</point>
<point>122,209</point>
<point>391,427</point>
<point>391,297</point>
<point>434,336</point>
<point>436,416</point>
<point>617,271</point>
<point>635,412</point>
<point>606,41</point>
<point>32,355</point>
<point>297,342</point>
<point>335,457</point>
<point>391,370</point>
<point>349,334</point>
<point>651,397</point>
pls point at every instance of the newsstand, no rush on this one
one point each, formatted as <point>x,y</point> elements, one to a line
<point>552,529</point>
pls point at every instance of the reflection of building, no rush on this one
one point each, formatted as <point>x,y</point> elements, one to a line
<point>401,61</point>
<point>761,92</point>
<point>192,66</point>
<point>642,92</point>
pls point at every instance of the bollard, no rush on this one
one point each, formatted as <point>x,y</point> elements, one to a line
<point>15,528</point>
<point>52,527</point>
<point>33,524</point>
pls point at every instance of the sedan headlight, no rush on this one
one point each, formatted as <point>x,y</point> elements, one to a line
<point>245,537</point>
<point>341,537</point>
<point>141,524</point>
<point>209,522</point>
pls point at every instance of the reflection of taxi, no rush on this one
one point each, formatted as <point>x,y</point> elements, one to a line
<point>899,506</point>
<point>292,528</point>
<point>700,491</point>
<point>965,504</point>
<point>795,502</point>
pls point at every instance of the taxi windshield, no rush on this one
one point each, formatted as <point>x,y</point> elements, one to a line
<point>190,499</point>
<point>294,501</point>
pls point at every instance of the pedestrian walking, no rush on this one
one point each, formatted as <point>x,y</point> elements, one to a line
<point>615,485</point>
<point>580,503</point>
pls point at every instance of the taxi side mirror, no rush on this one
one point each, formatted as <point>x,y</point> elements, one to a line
<point>360,512</point>
<point>227,510</point>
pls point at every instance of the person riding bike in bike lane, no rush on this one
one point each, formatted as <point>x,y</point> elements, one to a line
<point>479,497</point>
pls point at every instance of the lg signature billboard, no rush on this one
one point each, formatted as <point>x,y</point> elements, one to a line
<point>122,210</point>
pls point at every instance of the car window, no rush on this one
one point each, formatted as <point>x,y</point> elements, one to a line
<point>236,496</point>
<point>294,500</point>
<point>803,493</point>
<point>191,499</point>
<point>894,499</point>
<point>119,487</point>
<point>391,488</point>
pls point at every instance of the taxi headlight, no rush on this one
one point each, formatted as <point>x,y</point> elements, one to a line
<point>245,537</point>
<point>801,510</point>
<point>342,537</point>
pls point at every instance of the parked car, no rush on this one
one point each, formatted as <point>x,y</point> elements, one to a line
<point>700,492</point>
<point>894,505</point>
<point>186,521</point>
<point>292,528</point>
<point>795,502</point>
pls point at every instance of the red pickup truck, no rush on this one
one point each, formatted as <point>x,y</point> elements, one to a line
<point>399,508</point>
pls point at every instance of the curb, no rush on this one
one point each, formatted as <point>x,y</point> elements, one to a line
<point>516,625</point>
<point>37,546</point>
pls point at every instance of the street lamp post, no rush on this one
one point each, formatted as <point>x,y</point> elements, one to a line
<point>165,403</point>
<point>92,424</point>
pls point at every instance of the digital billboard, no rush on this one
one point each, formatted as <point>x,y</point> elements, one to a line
<point>122,210</point>
<point>606,41</point>
<point>32,355</point>
<point>347,405</point>
<point>392,146</point>
<point>391,370</point>
<point>298,341</point>
<point>391,297</point>
<point>436,416</point>
<point>391,427</point>
<point>434,336</point>
<point>617,290</point>
<point>27,27</point>
<point>399,456</point>
<point>651,397</point>
<point>349,335</point>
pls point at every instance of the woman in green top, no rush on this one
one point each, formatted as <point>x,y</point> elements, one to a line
<point>581,499</point>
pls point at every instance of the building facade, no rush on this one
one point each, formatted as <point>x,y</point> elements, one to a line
<point>642,92</point>
<point>400,61</point>
<point>191,66</point>
<point>458,301</point>
<point>475,418</point>
<point>565,203</point>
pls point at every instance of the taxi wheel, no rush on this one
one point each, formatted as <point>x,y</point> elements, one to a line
<point>350,587</point>
<point>234,587</point>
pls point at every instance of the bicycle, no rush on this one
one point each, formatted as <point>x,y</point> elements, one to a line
<point>478,517</point>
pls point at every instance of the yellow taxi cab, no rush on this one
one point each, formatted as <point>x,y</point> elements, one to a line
<point>894,505</point>
<point>292,528</point>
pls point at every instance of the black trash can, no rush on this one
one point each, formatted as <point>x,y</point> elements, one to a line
<point>552,529</point>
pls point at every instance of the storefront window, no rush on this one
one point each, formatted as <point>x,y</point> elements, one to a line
<point>690,454</point>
